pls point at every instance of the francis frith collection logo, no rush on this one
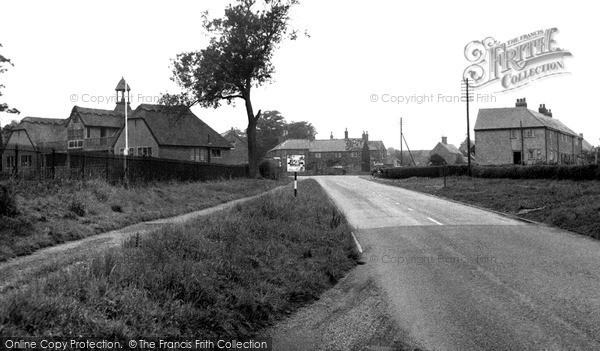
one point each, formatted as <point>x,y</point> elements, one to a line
<point>515,63</point>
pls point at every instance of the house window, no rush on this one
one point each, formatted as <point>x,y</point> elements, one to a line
<point>102,132</point>
<point>531,152</point>
<point>513,134</point>
<point>131,151</point>
<point>354,154</point>
<point>75,144</point>
<point>10,162</point>
<point>216,153</point>
<point>25,160</point>
<point>88,132</point>
<point>529,133</point>
<point>338,155</point>
<point>144,151</point>
<point>198,155</point>
<point>318,155</point>
<point>75,137</point>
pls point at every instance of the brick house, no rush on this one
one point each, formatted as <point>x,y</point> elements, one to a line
<point>351,154</point>
<point>171,132</point>
<point>448,152</point>
<point>239,148</point>
<point>517,135</point>
<point>25,143</point>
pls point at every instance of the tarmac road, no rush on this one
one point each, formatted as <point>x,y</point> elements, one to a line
<point>461,278</point>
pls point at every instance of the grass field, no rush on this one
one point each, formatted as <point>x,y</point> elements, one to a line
<point>567,204</point>
<point>53,212</point>
<point>228,275</point>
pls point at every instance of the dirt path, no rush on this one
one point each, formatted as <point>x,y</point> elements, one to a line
<point>21,269</point>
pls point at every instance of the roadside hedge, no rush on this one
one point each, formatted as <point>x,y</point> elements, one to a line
<point>427,171</point>
<point>587,172</point>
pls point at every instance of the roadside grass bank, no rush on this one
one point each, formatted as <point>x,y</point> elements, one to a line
<point>567,204</point>
<point>228,275</point>
<point>34,215</point>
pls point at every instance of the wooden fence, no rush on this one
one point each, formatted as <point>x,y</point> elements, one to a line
<point>32,164</point>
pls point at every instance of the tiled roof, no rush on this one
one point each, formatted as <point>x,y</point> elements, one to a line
<point>99,118</point>
<point>328,145</point>
<point>232,136</point>
<point>176,127</point>
<point>376,145</point>
<point>334,145</point>
<point>511,117</point>
<point>293,144</point>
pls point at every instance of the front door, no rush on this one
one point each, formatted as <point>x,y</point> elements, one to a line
<point>517,157</point>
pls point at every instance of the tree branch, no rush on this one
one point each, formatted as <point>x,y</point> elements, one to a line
<point>231,96</point>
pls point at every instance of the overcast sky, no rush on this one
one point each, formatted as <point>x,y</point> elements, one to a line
<point>74,52</point>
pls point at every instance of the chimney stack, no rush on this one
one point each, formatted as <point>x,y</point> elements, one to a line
<point>549,114</point>
<point>521,103</point>
<point>346,134</point>
<point>331,135</point>
<point>366,136</point>
<point>445,140</point>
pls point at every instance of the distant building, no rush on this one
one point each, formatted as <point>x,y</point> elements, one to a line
<point>415,158</point>
<point>238,153</point>
<point>351,154</point>
<point>26,141</point>
<point>448,152</point>
<point>517,135</point>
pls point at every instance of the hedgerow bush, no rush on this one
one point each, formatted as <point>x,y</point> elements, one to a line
<point>427,171</point>
<point>587,172</point>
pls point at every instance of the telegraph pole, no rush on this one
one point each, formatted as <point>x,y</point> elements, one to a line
<point>401,135</point>
<point>467,98</point>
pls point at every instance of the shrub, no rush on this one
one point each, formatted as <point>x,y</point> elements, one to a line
<point>270,169</point>
<point>77,207</point>
<point>8,205</point>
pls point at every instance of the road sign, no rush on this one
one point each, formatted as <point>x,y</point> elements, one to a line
<point>295,163</point>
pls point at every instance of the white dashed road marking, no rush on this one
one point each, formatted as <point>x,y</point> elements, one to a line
<point>434,221</point>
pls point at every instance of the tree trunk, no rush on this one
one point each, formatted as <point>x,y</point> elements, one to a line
<point>251,134</point>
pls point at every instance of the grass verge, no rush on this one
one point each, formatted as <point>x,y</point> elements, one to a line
<point>53,212</point>
<point>224,276</point>
<point>567,204</point>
